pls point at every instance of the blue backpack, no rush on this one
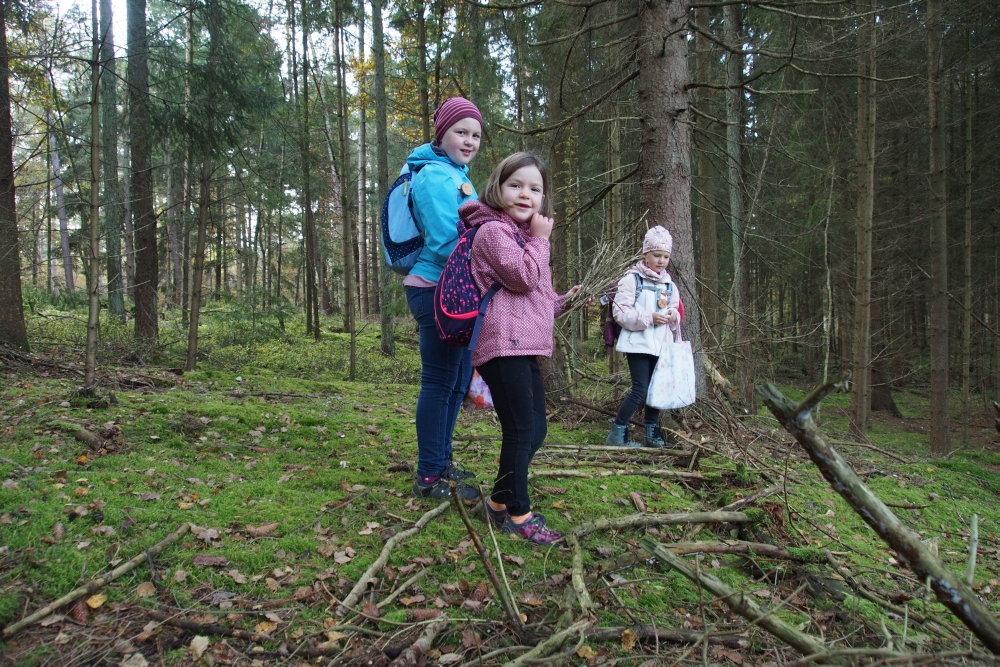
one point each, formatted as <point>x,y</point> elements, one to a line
<point>402,237</point>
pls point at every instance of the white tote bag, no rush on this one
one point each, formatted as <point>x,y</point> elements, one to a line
<point>672,384</point>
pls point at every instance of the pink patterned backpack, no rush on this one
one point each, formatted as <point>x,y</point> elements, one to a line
<point>458,305</point>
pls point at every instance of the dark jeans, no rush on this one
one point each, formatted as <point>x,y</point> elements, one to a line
<point>445,372</point>
<point>519,398</point>
<point>640,367</point>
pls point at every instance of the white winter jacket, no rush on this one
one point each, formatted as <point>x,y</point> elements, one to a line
<point>640,294</point>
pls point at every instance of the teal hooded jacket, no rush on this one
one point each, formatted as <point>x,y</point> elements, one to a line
<point>435,200</point>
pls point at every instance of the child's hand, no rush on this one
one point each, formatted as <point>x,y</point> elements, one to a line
<point>672,317</point>
<point>541,226</point>
<point>659,319</point>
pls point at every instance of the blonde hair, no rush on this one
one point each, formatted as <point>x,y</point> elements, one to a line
<point>492,196</point>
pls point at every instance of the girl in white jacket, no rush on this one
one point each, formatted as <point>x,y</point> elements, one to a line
<point>645,303</point>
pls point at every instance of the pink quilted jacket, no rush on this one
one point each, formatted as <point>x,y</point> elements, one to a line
<point>519,319</point>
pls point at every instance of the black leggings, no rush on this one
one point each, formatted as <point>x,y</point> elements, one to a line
<point>640,366</point>
<point>519,398</point>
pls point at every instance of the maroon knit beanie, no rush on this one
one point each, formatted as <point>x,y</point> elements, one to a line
<point>450,112</point>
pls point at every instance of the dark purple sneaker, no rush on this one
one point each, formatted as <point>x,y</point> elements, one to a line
<point>496,517</point>
<point>533,530</point>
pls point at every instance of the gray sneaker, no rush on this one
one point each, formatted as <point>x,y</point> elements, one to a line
<point>440,490</point>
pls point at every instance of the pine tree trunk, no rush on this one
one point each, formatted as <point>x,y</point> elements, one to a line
<point>172,234</point>
<point>67,259</point>
<point>204,204</point>
<point>12,329</point>
<point>129,232</point>
<point>144,218</point>
<point>708,255</point>
<point>732,30</point>
<point>94,251</point>
<point>425,113</point>
<point>938,306</point>
<point>861,366</point>
<point>665,148</point>
<point>363,263</point>
<point>382,174</point>
<point>113,209</point>
<point>967,252</point>
<point>348,231</point>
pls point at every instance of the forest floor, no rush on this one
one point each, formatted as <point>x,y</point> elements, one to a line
<point>282,483</point>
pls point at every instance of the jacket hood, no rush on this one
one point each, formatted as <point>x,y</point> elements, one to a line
<point>425,153</point>
<point>474,213</point>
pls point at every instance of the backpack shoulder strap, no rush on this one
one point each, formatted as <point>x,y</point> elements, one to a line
<point>456,175</point>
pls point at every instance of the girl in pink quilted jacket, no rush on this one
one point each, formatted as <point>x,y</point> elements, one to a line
<point>512,249</point>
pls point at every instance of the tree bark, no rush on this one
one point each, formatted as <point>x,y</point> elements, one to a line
<point>363,263</point>
<point>173,236</point>
<point>425,112</point>
<point>143,215</point>
<point>60,208</point>
<point>382,174</point>
<point>12,329</point>
<point>708,255</point>
<point>348,229</point>
<point>861,365</point>
<point>113,209</point>
<point>967,263</point>
<point>204,205</point>
<point>665,148</point>
<point>732,30</point>
<point>940,427</point>
<point>93,252</point>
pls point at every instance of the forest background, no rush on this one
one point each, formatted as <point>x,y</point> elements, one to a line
<point>826,169</point>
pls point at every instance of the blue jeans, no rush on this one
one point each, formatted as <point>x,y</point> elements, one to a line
<point>445,372</point>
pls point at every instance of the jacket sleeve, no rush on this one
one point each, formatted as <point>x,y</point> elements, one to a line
<point>519,270</point>
<point>624,310</point>
<point>435,205</point>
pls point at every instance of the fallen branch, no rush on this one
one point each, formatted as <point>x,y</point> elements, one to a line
<point>743,549</point>
<point>873,448</point>
<point>669,474</point>
<point>352,598</point>
<point>93,586</point>
<point>734,507</point>
<point>738,603</point>
<point>907,506</point>
<point>576,575</point>
<point>411,657</point>
<point>207,628</point>
<point>863,591</point>
<point>515,620</point>
<point>402,588</point>
<point>949,589</point>
<point>646,519</point>
<point>551,645</point>
<point>95,442</point>
<point>643,633</point>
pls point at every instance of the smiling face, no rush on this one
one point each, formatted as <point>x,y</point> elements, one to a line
<point>657,260</point>
<point>522,194</point>
<point>461,141</point>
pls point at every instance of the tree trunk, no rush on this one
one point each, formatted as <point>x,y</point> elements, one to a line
<point>615,233</point>
<point>967,252</point>
<point>665,148</point>
<point>382,174</point>
<point>940,431</point>
<point>362,169</point>
<point>172,235</point>
<point>425,112</point>
<point>186,188</point>
<point>708,255</point>
<point>312,294</point>
<point>60,208</point>
<point>861,366</point>
<point>113,210</point>
<point>129,232</point>
<point>204,204</point>
<point>12,329</point>
<point>94,251</point>
<point>732,30</point>
<point>348,232</point>
<point>144,218</point>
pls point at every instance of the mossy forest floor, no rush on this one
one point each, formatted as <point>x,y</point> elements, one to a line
<point>293,478</point>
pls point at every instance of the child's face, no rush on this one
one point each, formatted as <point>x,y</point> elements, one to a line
<point>656,259</point>
<point>522,194</point>
<point>461,140</point>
